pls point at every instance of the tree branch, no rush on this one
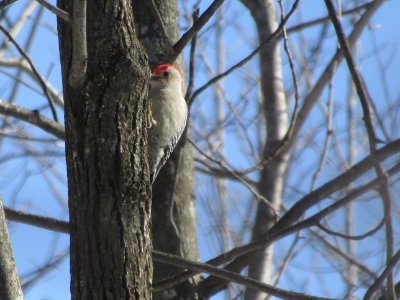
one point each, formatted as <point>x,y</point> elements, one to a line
<point>63,226</point>
<point>328,73</point>
<point>283,227</point>
<point>159,21</point>
<point>189,89</point>
<point>256,195</point>
<point>35,220</point>
<point>57,11</point>
<point>299,27</point>
<point>32,117</point>
<point>353,237</point>
<point>24,66</point>
<point>276,34</point>
<point>230,276</point>
<point>389,267</point>
<point>40,79</point>
<point>203,19</point>
<point>368,121</point>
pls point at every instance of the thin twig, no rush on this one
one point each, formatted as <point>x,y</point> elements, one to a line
<point>389,267</point>
<point>247,185</point>
<point>21,64</point>
<point>27,45</point>
<point>196,27</point>
<point>78,69</point>
<point>40,79</point>
<point>17,135</point>
<point>240,256</point>
<point>275,35</point>
<point>278,232</point>
<point>229,276</point>
<point>14,28</point>
<point>368,121</point>
<point>42,271</point>
<point>328,136</point>
<point>354,237</point>
<point>160,23</point>
<point>299,27</point>
<point>192,58</point>
<point>295,85</point>
<point>57,11</point>
<point>63,226</point>
<point>327,74</point>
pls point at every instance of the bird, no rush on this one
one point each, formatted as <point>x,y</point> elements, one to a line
<point>169,115</point>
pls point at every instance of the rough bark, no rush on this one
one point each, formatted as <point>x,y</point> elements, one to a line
<point>173,212</point>
<point>10,288</point>
<point>275,112</point>
<point>106,151</point>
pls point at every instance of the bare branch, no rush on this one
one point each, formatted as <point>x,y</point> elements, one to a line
<point>203,19</point>
<point>354,237</point>
<point>31,279</point>
<point>27,45</point>
<point>55,10</point>
<point>246,184</point>
<point>368,121</point>
<point>289,132</point>
<point>24,66</point>
<point>192,58</point>
<point>299,27</point>
<point>389,267</point>
<point>32,117</point>
<point>40,79</point>
<point>327,74</point>
<point>35,220</point>
<point>283,227</point>
<point>159,21</point>
<point>16,27</point>
<point>230,276</point>
<point>63,226</point>
<point>275,35</point>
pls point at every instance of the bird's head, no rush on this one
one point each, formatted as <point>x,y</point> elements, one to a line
<point>166,75</point>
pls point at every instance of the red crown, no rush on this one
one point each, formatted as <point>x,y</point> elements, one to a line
<point>161,68</point>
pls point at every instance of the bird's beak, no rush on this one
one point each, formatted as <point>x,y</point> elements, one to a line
<point>155,77</point>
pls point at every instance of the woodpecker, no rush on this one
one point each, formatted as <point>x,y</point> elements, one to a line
<point>169,113</point>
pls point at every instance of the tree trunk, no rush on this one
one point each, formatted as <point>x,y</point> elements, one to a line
<point>10,288</point>
<point>106,150</point>
<point>173,212</point>
<point>275,113</point>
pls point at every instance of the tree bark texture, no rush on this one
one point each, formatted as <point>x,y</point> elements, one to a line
<point>173,212</point>
<point>10,288</point>
<point>275,112</point>
<point>106,151</point>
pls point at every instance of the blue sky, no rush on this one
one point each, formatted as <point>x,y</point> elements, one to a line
<point>22,183</point>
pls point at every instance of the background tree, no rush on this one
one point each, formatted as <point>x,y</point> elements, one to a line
<point>294,133</point>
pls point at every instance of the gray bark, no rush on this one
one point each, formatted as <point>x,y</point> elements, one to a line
<point>173,211</point>
<point>106,151</point>
<point>10,288</point>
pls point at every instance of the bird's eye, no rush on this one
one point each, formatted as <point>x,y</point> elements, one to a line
<point>166,73</point>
